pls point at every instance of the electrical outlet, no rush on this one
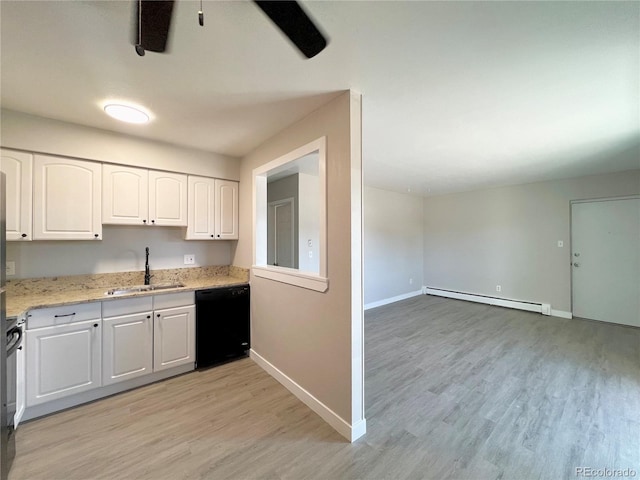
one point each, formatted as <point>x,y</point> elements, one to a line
<point>11,268</point>
<point>411,281</point>
<point>189,259</point>
<point>310,253</point>
<point>498,288</point>
<point>560,244</point>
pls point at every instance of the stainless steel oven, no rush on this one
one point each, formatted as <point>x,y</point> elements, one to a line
<point>13,346</point>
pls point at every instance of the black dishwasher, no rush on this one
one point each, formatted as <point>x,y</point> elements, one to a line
<point>222,325</point>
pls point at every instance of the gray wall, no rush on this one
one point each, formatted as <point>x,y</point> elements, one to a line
<point>121,250</point>
<point>393,244</point>
<point>509,236</point>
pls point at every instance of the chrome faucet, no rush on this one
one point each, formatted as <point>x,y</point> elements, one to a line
<point>147,273</point>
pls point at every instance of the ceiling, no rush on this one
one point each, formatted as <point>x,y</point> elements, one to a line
<point>456,95</point>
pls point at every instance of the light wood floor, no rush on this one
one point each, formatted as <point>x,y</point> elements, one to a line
<point>453,390</point>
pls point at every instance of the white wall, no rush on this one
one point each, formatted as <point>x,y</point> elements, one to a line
<point>315,339</point>
<point>308,222</point>
<point>393,245</point>
<point>121,247</point>
<point>509,236</point>
<point>121,250</point>
<point>44,135</point>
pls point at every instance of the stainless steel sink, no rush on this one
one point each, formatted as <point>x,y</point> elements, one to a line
<point>142,288</point>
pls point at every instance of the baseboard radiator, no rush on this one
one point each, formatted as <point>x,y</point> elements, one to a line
<point>543,308</point>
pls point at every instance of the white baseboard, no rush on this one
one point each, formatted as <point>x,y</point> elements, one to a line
<point>350,432</point>
<point>543,308</point>
<point>397,298</point>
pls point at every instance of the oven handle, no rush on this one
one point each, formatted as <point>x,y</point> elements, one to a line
<point>14,339</point>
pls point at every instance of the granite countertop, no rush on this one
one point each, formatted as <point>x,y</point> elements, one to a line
<point>29,294</point>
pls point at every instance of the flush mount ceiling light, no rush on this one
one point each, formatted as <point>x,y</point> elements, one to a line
<point>126,113</point>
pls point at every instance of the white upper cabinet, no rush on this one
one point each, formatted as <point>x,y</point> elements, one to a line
<point>18,168</point>
<point>213,209</point>
<point>201,225</point>
<point>226,220</point>
<point>167,198</point>
<point>137,196</point>
<point>67,199</point>
<point>125,195</point>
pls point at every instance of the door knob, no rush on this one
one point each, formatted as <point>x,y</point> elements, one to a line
<point>576,264</point>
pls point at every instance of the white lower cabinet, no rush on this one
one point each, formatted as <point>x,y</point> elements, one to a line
<point>77,348</point>
<point>127,347</point>
<point>63,360</point>
<point>173,337</point>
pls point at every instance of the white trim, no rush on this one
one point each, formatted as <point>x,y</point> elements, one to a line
<point>561,314</point>
<point>350,432</point>
<point>397,298</point>
<point>292,277</point>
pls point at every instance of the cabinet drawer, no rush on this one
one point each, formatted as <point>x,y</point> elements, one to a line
<point>49,317</point>
<point>171,300</point>
<point>127,306</point>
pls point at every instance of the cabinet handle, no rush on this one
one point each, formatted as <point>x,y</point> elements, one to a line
<point>153,221</point>
<point>96,235</point>
<point>20,347</point>
<point>95,325</point>
<point>212,235</point>
<point>158,315</point>
<point>144,221</point>
<point>148,316</point>
<point>218,236</point>
<point>24,235</point>
<point>65,315</point>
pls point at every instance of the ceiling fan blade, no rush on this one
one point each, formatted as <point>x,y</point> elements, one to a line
<point>152,22</point>
<point>295,24</point>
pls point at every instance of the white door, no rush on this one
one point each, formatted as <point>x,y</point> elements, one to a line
<point>280,234</point>
<point>127,347</point>
<point>605,243</point>
<point>173,337</point>
<point>125,195</point>
<point>18,167</point>
<point>167,198</point>
<point>63,360</point>
<point>226,221</point>
<point>66,199</point>
<point>201,206</point>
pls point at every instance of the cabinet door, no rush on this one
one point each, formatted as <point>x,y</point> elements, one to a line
<point>226,210</point>
<point>63,360</point>
<point>167,199</point>
<point>18,168</point>
<point>67,198</point>
<point>173,337</point>
<point>125,195</point>
<point>127,347</point>
<point>201,211</point>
